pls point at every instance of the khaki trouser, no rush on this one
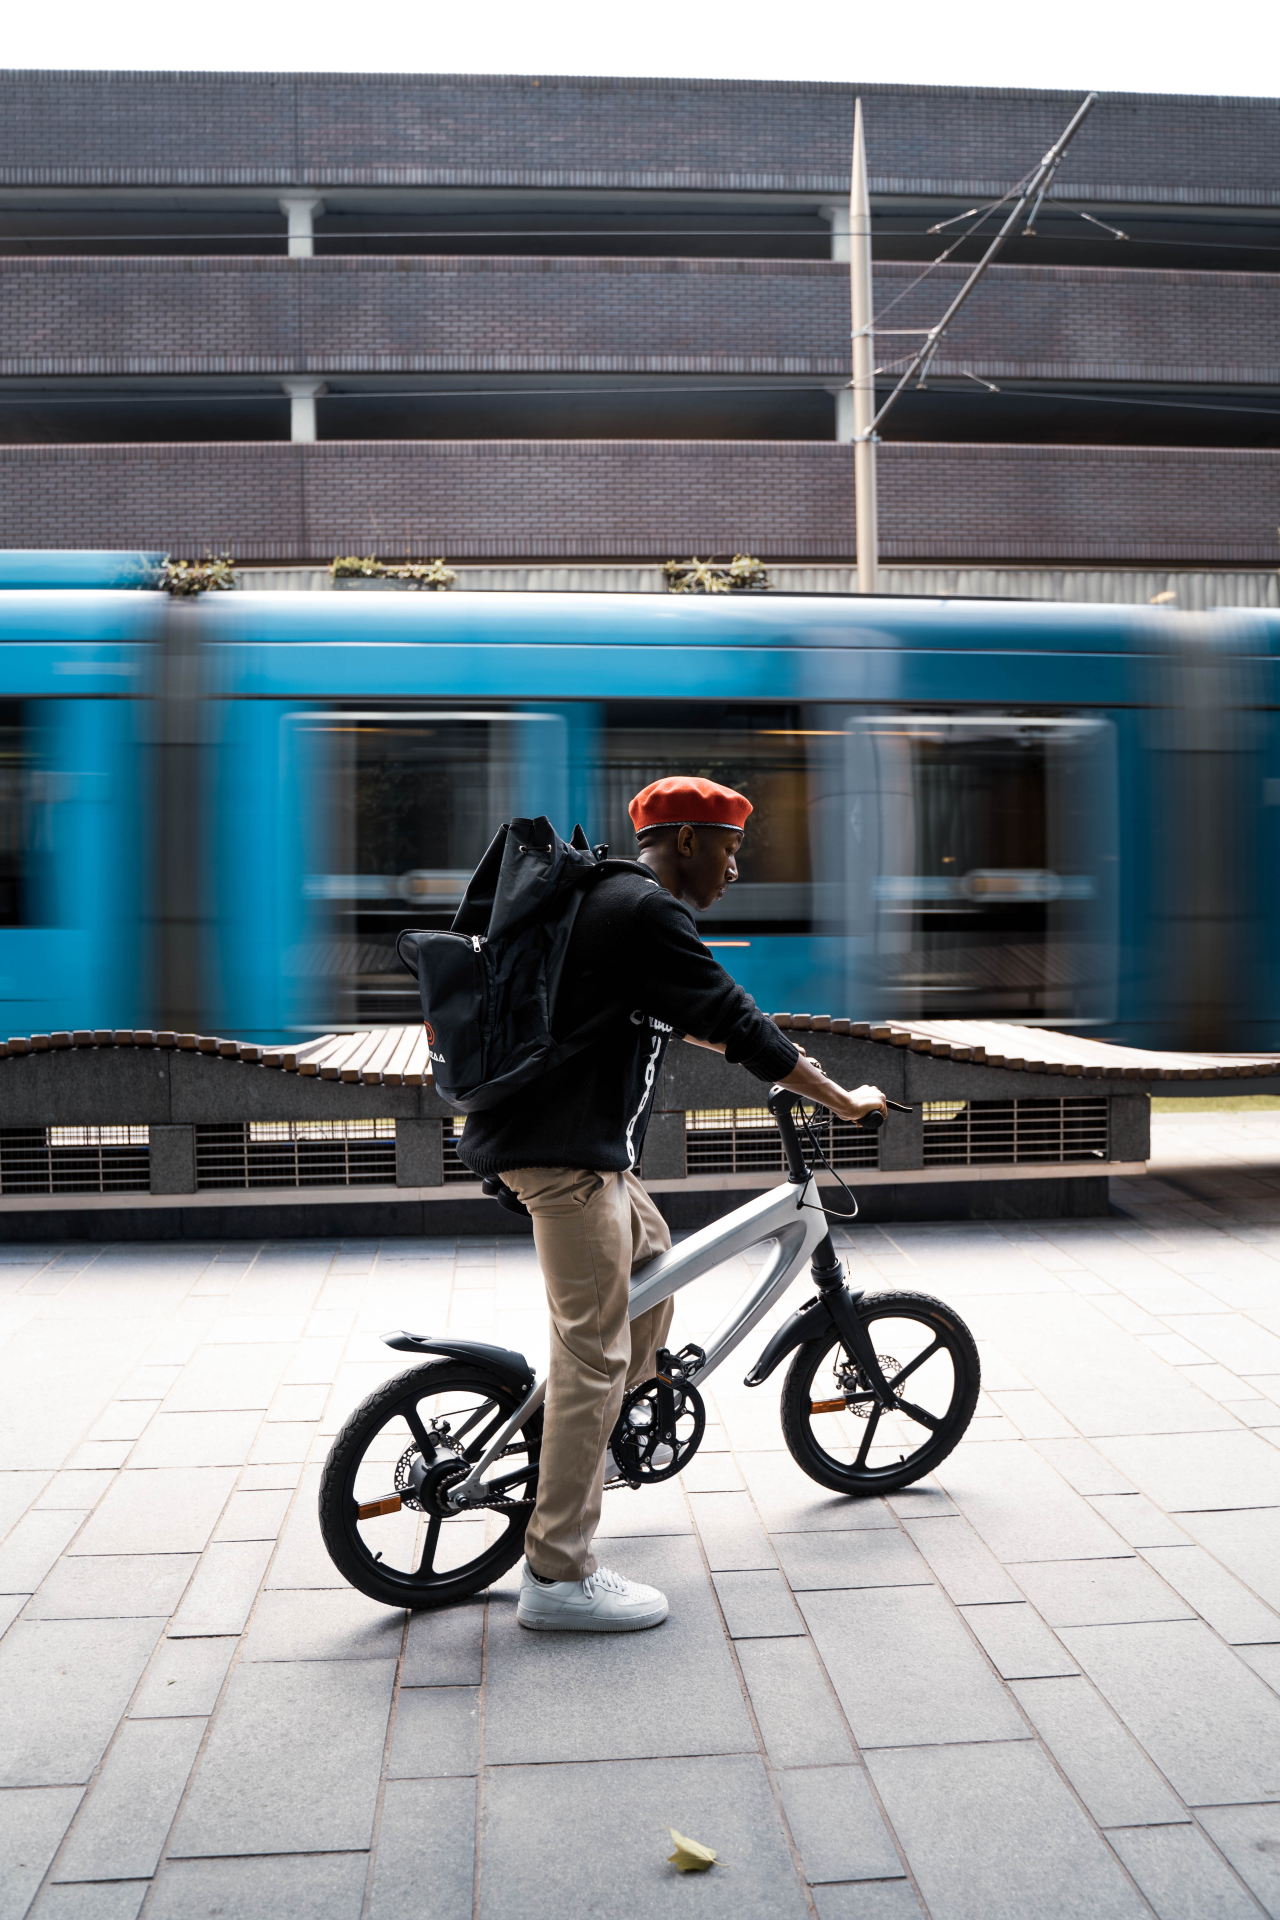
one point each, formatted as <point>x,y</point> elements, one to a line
<point>591,1230</point>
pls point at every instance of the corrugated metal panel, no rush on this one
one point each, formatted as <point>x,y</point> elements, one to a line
<point>1195,592</point>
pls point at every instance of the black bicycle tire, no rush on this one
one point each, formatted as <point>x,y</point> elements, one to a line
<point>348,1450</point>
<point>868,1481</point>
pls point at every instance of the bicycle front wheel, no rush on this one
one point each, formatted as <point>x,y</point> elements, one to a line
<point>384,1508</point>
<point>831,1422</point>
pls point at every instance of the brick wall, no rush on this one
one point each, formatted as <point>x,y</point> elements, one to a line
<point>415,314</point>
<point>640,499</point>
<point>421,129</point>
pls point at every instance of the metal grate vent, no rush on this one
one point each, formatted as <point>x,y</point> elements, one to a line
<point>745,1140</point>
<point>451,1133</point>
<point>75,1159</point>
<point>297,1153</point>
<point>971,1133</point>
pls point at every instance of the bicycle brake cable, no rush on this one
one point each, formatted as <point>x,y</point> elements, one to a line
<point>821,1156</point>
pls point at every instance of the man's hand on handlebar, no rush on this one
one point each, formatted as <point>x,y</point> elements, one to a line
<point>811,1083</point>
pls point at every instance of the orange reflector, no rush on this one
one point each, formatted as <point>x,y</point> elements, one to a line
<point>373,1509</point>
<point>826,1406</point>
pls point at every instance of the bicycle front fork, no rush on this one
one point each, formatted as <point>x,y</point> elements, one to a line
<point>828,1276</point>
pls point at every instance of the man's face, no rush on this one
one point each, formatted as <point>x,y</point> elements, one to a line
<point>707,863</point>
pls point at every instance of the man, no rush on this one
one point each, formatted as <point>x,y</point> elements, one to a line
<point>569,1146</point>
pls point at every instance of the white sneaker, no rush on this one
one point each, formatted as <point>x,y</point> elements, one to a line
<point>604,1602</point>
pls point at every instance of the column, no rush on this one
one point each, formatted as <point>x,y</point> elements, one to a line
<point>300,209</point>
<point>843,396</point>
<point>302,415</point>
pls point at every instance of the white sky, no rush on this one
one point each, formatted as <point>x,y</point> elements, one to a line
<point>1179,46</point>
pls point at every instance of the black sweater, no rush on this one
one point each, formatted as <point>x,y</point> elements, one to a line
<point>636,947</point>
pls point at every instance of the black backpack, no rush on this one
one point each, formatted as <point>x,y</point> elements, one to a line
<point>489,985</point>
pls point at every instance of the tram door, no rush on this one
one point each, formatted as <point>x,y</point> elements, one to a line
<point>406,803</point>
<point>980,866</point>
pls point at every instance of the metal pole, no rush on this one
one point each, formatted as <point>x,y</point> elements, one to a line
<point>864,382</point>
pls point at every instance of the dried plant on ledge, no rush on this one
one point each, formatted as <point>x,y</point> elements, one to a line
<point>185,578</point>
<point>742,574</point>
<point>425,576</point>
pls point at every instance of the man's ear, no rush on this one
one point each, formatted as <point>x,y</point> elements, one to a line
<point>686,842</point>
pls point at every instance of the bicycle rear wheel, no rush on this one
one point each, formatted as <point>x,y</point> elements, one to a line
<point>384,1512</point>
<point>830,1420</point>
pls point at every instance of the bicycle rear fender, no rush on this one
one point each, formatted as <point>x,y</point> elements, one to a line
<point>503,1361</point>
<point>807,1323</point>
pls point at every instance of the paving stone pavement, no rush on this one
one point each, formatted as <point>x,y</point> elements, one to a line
<point>1045,1683</point>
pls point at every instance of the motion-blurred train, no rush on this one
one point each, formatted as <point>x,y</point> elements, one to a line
<point>218,814</point>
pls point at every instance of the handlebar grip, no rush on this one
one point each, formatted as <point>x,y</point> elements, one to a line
<point>872,1121</point>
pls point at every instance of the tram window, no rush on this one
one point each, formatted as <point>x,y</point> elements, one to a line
<point>763,752</point>
<point>409,804</point>
<point>18,824</point>
<point>980,864</point>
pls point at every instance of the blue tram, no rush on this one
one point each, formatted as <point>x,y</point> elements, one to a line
<point>218,815</point>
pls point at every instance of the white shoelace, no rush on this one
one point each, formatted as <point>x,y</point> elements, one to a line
<point>606,1578</point>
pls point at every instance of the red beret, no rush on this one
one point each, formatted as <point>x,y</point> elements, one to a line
<point>689,803</point>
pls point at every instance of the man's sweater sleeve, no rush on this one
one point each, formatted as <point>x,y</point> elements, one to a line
<point>691,991</point>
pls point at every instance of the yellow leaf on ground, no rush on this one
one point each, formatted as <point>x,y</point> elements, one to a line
<point>690,1856</point>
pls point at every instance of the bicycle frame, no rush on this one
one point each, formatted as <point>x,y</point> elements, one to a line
<point>790,1217</point>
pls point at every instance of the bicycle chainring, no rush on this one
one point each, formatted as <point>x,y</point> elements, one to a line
<point>659,1428</point>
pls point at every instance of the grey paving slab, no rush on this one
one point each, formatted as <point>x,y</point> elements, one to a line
<point>110,1586</point>
<point>437,1732</point>
<point>836,1825</point>
<point>445,1648</point>
<point>282,1475</point>
<point>184,1678</point>
<point>158,1510</point>
<point>283,1444</point>
<point>33,1547</point>
<point>1265,1661</point>
<point>323,1625</point>
<point>1107,1768</point>
<point>11,1605</point>
<point>712,1473</point>
<point>221,1378</point>
<point>880,1900</point>
<point>426,1839</point>
<point>654,1510</point>
<point>905,1670</point>
<point>316,1886</point>
<point>301,1560</point>
<point>94,1900</point>
<point>32,1824</point>
<point>293,1760</point>
<point>196,1440</point>
<point>789,1502</point>
<point>588,1697</point>
<point>924,1501</point>
<point>1082,1467</point>
<point>992,1833</point>
<point>1017,1642</point>
<point>1182,1876</point>
<point>1138,1523</point>
<point>1250,1838</point>
<point>123,1420</point>
<point>1248,1543</point>
<point>1099,1593</point>
<point>1232,1339</point>
<point>548,1830</point>
<point>122,1828</point>
<point>255,1515</point>
<point>959,1561</point>
<point>1103,1380</point>
<point>80,1490</point>
<point>1216,1596</point>
<point>1211,1726</point>
<point>869,1558</point>
<point>1021,1507</point>
<point>731,1534</point>
<point>799,1720</point>
<point>757,1605</point>
<point>64,1685</point>
<point>1186,1473</point>
<point>223,1589</point>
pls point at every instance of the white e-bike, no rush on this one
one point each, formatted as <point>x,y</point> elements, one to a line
<point>428,1488</point>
